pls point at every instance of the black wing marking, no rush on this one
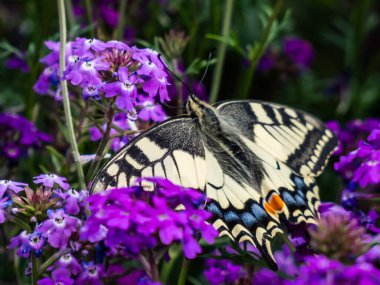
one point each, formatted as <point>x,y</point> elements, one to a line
<point>291,136</point>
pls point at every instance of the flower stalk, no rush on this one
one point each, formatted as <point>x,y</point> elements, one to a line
<point>183,272</point>
<point>258,53</point>
<point>120,25</point>
<point>34,261</point>
<point>221,51</point>
<point>100,152</point>
<point>65,93</point>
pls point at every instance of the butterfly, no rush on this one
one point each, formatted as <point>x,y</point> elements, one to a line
<point>255,161</point>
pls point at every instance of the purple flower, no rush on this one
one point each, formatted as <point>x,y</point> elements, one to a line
<point>58,228</point>
<point>4,203</point>
<point>299,51</point>
<point>135,219</point>
<point>110,16</point>
<point>266,276</point>
<point>17,62</point>
<point>151,111</point>
<point>137,277</point>
<point>124,123</point>
<point>68,262</point>
<point>73,200</point>
<point>222,272</point>
<point>103,70</point>
<point>157,86</point>
<point>6,185</point>
<point>267,61</point>
<point>49,180</point>
<point>36,242</point>
<point>91,274</point>
<point>59,276</point>
<point>18,135</point>
<point>21,242</point>
<point>125,87</point>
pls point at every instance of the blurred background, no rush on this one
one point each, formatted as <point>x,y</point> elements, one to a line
<point>322,56</point>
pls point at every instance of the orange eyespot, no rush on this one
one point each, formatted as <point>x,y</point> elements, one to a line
<point>269,209</point>
<point>274,205</point>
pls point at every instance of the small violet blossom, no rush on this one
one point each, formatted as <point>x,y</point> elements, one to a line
<point>48,180</point>
<point>58,228</point>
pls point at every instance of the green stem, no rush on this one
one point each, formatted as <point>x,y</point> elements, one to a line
<point>288,242</point>
<point>263,44</point>
<point>90,19</point>
<point>53,259</point>
<point>70,13</point>
<point>120,25</point>
<point>153,267</point>
<point>65,93</point>
<point>221,51</point>
<point>100,152</point>
<point>34,268</point>
<point>183,273</point>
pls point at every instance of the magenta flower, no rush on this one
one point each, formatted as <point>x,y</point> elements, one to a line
<point>6,185</point>
<point>103,70</point>
<point>59,276</point>
<point>91,274</point>
<point>150,110</point>
<point>49,180</point>
<point>4,203</point>
<point>58,228</point>
<point>123,122</point>
<point>136,220</point>
<point>299,51</point>
<point>21,242</point>
<point>125,87</point>
<point>18,135</point>
<point>222,271</point>
<point>72,200</point>
<point>68,262</point>
<point>16,62</point>
<point>157,86</point>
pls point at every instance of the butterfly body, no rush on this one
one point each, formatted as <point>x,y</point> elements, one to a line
<point>255,161</point>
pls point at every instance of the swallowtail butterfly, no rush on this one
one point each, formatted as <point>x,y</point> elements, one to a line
<point>256,162</point>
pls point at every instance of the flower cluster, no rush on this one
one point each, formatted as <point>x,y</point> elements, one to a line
<point>353,131</point>
<point>18,135</point>
<point>106,70</point>
<point>318,269</point>
<point>361,167</point>
<point>293,56</point>
<point>133,220</point>
<point>222,271</point>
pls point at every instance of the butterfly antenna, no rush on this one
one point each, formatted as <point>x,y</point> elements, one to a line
<point>208,64</point>
<point>175,76</point>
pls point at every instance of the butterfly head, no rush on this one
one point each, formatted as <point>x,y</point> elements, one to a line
<point>206,114</point>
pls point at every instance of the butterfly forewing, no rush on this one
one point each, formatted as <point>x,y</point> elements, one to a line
<point>172,150</point>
